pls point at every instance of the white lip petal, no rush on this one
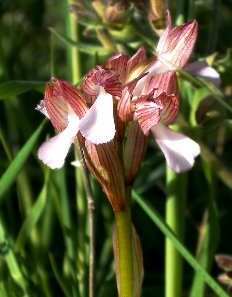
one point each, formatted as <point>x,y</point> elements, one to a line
<point>97,125</point>
<point>54,151</point>
<point>179,150</point>
<point>201,68</point>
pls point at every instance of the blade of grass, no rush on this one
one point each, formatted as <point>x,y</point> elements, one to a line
<point>209,240</point>
<point>3,291</point>
<point>160,223</point>
<point>5,145</point>
<point>67,228</point>
<point>213,91</point>
<point>31,219</point>
<point>11,261</point>
<point>17,87</point>
<point>16,165</point>
<point>82,47</point>
<point>59,278</point>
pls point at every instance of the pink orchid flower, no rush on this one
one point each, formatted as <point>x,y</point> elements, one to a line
<point>69,113</point>
<point>156,112</point>
<point>154,92</point>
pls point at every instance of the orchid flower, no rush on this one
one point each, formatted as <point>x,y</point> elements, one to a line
<point>155,112</point>
<point>153,92</point>
<point>69,113</point>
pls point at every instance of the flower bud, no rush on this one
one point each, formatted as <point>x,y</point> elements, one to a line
<point>105,164</point>
<point>134,150</point>
<point>157,15</point>
<point>116,15</point>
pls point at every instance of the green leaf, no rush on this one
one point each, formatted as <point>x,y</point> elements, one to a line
<point>87,48</point>
<point>12,263</point>
<point>209,239</point>
<point>210,87</point>
<point>161,224</point>
<point>16,165</point>
<point>31,219</point>
<point>58,277</point>
<point>3,290</point>
<point>17,87</point>
<point>198,96</point>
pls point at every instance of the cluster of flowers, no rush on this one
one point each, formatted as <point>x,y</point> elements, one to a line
<point>120,104</point>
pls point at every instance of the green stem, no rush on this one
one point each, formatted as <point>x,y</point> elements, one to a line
<point>180,19</point>
<point>81,232</point>
<point>74,61</point>
<point>176,190</point>
<point>106,40</point>
<point>125,256</point>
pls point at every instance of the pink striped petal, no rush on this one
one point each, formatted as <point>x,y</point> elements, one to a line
<point>157,76</point>
<point>101,77</point>
<point>201,68</point>
<point>124,107</point>
<point>54,151</point>
<point>179,150</point>
<point>118,63</point>
<point>91,82</point>
<point>136,60</point>
<point>98,123</point>
<point>56,107</point>
<point>176,45</point>
<point>151,110</point>
<point>148,111</point>
<point>71,95</point>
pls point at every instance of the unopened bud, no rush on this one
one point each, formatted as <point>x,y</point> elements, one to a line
<point>116,15</point>
<point>135,148</point>
<point>224,262</point>
<point>157,15</point>
<point>105,164</point>
<point>99,7</point>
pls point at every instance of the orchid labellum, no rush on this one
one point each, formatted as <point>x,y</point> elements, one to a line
<point>69,113</point>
